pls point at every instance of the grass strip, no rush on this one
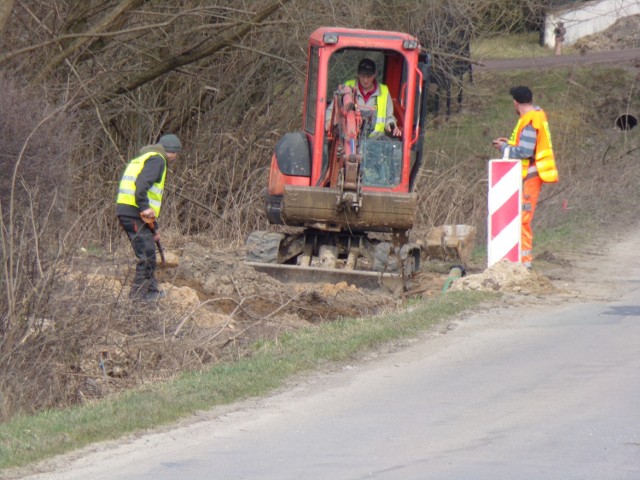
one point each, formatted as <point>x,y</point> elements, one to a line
<point>28,439</point>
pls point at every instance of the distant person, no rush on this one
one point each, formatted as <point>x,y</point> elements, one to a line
<point>138,208</point>
<point>530,142</point>
<point>373,95</point>
<point>559,33</point>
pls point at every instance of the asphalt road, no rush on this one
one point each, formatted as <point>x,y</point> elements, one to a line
<point>629,57</point>
<point>544,392</point>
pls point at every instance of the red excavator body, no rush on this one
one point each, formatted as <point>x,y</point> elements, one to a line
<point>348,185</point>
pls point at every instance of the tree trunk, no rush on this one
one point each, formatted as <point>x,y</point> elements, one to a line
<point>193,55</point>
<point>101,26</point>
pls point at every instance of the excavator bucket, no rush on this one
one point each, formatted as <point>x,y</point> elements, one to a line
<point>452,243</point>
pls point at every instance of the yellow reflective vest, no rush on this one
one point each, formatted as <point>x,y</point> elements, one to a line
<point>543,158</point>
<point>127,189</point>
<point>381,105</point>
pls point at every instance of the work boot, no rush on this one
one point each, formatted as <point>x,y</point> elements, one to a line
<point>154,296</point>
<point>138,292</point>
<point>153,285</point>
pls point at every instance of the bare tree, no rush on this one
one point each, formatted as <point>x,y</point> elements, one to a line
<point>104,23</point>
<point>6,7</point>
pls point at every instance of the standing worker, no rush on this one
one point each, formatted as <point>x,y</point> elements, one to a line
<point>559,33</point>
<point>531,143</point>
<point>138,208</point>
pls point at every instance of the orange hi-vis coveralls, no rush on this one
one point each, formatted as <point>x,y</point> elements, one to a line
<point>532,134</point>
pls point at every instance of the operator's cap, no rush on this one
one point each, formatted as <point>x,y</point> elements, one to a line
<point>171,143</point>
<point>367,67</point>
<point>521,94</point>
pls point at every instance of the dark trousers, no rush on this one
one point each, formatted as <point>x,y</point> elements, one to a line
<point>144,247</point>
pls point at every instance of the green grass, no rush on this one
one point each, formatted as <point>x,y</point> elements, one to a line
<point>512,46</point>
<point>569,235</point>
<point>28,439</point>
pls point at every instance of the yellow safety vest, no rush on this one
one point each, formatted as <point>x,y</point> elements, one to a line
<point>127,189</point>
<point>381,105</point>
<point>543,157</point>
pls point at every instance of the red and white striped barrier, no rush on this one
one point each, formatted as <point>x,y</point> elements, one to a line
<point>504,224</point>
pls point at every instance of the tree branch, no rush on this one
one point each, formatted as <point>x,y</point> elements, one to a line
<point>121,8</point>
<point>95,35</point>
<point>193,55</point>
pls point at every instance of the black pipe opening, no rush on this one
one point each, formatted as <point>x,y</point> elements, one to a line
<point>626,122</point>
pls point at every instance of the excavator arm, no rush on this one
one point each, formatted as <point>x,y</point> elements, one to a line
<point>347,130</point>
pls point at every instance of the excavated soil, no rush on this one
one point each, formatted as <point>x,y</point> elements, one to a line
<point>216,308</point>
<point>623,34</point>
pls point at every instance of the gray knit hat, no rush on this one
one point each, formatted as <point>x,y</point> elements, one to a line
<point>171,143</point>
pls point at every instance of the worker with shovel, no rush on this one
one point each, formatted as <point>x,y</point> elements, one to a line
<point>138,208</point>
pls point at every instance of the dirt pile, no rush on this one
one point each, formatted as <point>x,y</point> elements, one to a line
<point>216,308</point>
<point>507,277</point>
<point>624,33</point>
<point>222,279</point>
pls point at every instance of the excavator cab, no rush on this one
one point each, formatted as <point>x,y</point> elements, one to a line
<point>382,154</point>
<point>339,177</point>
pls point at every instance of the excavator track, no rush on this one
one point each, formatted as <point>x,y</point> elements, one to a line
<point>329,257</point>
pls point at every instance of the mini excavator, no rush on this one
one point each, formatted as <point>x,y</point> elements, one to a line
<point>347,191</point>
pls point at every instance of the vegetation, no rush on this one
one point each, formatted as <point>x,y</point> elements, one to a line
<point>86,83</point>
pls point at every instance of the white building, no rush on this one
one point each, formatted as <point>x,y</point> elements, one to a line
<point>588,18</point>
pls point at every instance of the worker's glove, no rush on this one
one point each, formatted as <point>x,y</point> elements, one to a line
<point>148,216</point>
<point>156,236</point>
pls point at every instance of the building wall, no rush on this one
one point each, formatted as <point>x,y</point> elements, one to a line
<point>589,18</point>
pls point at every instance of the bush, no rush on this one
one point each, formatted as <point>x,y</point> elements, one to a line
<point>34,184</point>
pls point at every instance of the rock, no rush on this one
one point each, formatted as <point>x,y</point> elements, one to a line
<point>186,302</point>
<point>449,242</point>
<point>218,285</point>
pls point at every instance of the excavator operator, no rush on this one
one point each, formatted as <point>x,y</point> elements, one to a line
<point>374,96</point>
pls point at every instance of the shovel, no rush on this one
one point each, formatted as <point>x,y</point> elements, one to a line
<point>158,244</point>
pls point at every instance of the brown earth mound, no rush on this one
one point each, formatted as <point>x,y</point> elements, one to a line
<point>624,33</point>
<point>507,277</point>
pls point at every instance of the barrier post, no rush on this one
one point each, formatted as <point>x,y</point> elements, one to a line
<point>504,223</point>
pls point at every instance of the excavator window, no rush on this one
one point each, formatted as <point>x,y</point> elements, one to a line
<point>382,156</point>
<point>391,70</point>
<point>343,65</point>
<point>381,162</point>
